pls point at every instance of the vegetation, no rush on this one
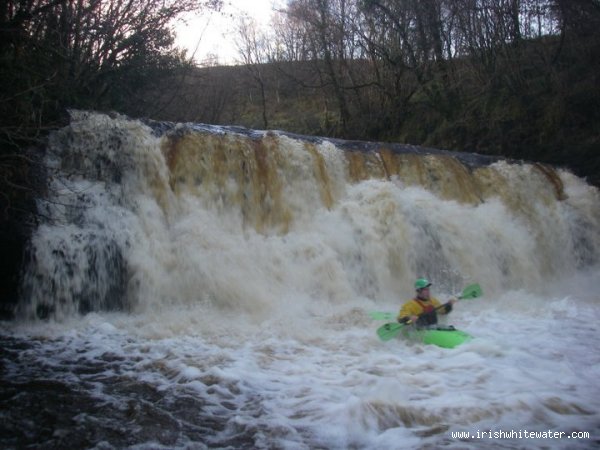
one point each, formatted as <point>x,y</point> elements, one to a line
<point>517,78</point>
<point>59,54</point>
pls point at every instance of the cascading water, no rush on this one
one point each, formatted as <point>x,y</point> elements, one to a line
<point>214,283</point>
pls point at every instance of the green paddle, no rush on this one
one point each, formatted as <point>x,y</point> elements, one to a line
<point>378,315</point>
<point>471,291</point>
<point>390,330</point>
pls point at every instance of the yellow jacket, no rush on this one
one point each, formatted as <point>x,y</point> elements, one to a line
<point>414,308</point>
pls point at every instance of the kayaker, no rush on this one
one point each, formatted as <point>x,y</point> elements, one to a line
<point>422,310</point>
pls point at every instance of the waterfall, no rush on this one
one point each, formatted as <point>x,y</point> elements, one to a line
<point>145,216</point>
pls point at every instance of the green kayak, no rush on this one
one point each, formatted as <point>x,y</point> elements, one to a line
<point>446,337</point>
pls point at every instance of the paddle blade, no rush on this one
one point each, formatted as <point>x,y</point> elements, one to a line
<point>389,330</point>
<point>378,315</point>
<point>471,291</point>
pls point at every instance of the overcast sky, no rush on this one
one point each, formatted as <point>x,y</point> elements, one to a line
<point>213,34</point>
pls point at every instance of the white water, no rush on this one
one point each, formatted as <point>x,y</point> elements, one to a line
<point>271,329</point>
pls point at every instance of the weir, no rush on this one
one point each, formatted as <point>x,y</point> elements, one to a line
<point>145,215</point>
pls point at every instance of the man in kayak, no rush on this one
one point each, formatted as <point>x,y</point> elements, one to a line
<point>422,310</point>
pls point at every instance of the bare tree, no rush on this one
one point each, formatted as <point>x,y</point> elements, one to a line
<point>254,50</point>
<point>325,26</point>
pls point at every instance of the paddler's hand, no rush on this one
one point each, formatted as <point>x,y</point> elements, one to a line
<point>408,319</point>
<point>448,305</point>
